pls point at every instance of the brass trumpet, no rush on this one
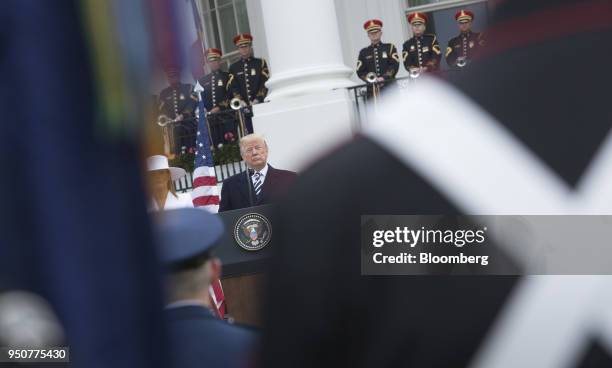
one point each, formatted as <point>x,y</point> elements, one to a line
<point>167,133</point>
<point>461,61</point>
<point>372,78</point>
<point>414,73</point>
<point>237,104</point>
<point>164,120</point>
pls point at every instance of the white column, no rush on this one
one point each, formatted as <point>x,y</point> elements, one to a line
<point>304,48</point>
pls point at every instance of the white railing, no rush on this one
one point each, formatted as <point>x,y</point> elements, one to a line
<point>222,171</point>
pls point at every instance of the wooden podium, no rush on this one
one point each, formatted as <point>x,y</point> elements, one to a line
<point>244,271</point>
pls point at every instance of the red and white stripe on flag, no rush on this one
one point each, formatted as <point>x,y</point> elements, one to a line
<point>218,299</point>
<point>205,195</point>
<point>205,192</point>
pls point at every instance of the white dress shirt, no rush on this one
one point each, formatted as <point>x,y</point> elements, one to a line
<point>262,172</point>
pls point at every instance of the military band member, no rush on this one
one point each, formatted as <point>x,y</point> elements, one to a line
<point>216,97</point>
<point>248,75</point>
<point>422,51</point>
<point>379,58</point>
<point>462,48</point>
<point>215,94</point>
<point>178,102</point>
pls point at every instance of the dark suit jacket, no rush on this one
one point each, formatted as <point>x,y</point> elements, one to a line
<point>199,339</point>
<point>235,189</point>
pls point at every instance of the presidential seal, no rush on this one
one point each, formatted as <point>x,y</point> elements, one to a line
<point>252,231</point>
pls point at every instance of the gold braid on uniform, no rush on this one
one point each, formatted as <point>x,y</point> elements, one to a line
<point>229,82</point>
<point>263,68</point>
<point>434,47</point>
<point>481,40</point>
<point>262,91</point>
<point>393,52</point>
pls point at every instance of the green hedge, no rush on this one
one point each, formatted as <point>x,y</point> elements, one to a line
<point>225,154</point>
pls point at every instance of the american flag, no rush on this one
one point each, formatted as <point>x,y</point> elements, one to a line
<point>205,192</point>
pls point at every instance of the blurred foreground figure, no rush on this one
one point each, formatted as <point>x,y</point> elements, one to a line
<point>198,338</point>
<point>73,223</point>
<point>560,118</point>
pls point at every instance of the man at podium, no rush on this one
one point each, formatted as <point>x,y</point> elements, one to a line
<point>261,185</point>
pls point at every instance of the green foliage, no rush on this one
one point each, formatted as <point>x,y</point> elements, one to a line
<point>186,160</point>
<point>225,154</point>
